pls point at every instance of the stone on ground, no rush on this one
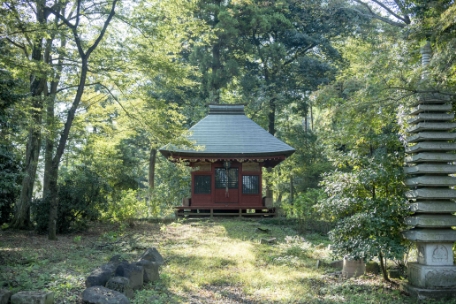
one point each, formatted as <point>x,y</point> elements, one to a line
<point>120,284</point>
<point>133,272</point>
<point>103,295</point>
<point>101,275</point>
<point>33,297</point>
<point>153,255</point>
<point>151,273</point>
<point>5,296</point>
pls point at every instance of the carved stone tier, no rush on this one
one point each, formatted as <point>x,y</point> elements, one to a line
<point>431,194</point>
<point>423,117</point>
<point>432,277</point>
<point>431,108</point>
<point>430,235</point>
<point>431,136</point>
<point>431,169</point>
<point>433,98</point>
<point>431,157</point>
<point>439,254</point>
<point>435,181</point>
<point>431,221</point>
<point>433,207</point>
<point>432,126</point>
<point>436,146</point>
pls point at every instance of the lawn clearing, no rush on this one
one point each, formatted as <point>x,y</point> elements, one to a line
<point>206,261</point>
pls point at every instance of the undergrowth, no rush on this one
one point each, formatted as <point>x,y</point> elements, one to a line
<point>206,261</point>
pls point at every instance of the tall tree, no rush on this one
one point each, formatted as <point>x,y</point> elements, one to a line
<point>26,29</point>
<point>84,12</point>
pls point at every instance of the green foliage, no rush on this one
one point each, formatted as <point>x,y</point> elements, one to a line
<point>82,196</point>
<point>368,204</point>
<point>10,164</point>
<point>303,207</point>
<point>129,207</point>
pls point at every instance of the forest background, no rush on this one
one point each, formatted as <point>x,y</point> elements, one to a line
<point>90,90</point>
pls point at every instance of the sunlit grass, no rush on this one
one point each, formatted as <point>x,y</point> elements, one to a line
<point>206,261</point>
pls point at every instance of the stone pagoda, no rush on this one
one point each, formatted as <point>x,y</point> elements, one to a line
<point>430,168</point>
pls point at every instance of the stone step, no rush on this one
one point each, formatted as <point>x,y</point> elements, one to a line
<point>429,146</point>
<point>431,194</point>
<point>430,169</point>
<point>431,221</point>
<point>432,126</point>
<point>433,207</point>
<point>436,181</point>
<point>434,136</point>
<point>430,157</point>
<point>421,117</point>
<point>431,108</point>
<point>430,235</point>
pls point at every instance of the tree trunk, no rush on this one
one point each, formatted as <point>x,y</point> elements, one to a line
<point>291,189</point>
<point>216,65</point>
<point>383,267</point>
<point>271,130</point>
<point>152,159</point>
<point>54,170</point>
<point>21,218</point>
<point>50,117</point>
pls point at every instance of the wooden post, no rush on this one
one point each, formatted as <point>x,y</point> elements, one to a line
<point>212,212</point>
<point>240,212</point>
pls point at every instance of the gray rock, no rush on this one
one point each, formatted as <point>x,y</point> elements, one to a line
<point>103,295</point>
<point>353,268</point>
<point>153,255</point>
<point>121,284</point>
<point>151,273</point>
<point>5,296</point>
<point>372,267</point>
<point>101,275</point>
<point>116,260</point>
<point>133,272</point>
<point>33,297</point>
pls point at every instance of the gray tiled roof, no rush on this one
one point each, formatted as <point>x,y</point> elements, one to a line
<point>226,131</point>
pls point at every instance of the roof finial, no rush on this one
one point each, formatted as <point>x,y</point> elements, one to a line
<point>426,54</point>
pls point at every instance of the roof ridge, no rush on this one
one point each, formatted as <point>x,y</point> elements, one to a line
<point>226,109</point>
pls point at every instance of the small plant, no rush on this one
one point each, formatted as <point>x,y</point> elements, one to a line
<point>77,239</point>
<point>4,226</point>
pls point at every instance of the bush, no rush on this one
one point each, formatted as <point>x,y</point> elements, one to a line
<point>303,208</point>
<point>128,208</point>
<point>9,184</point>
<point>82,195</point>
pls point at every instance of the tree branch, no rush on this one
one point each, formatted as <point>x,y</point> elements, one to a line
<point>21,46</point>
<point>405,19</point>
<point>103,30</point>
<point>75,86</point>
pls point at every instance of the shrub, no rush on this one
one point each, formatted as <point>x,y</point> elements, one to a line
<point>128,208</point>
<point>9,184</point>
<point>82,195</point>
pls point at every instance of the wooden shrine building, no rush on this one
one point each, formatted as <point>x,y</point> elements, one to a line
<point>229,152</point>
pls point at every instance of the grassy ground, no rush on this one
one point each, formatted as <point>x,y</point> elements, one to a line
<point>206,261</point>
